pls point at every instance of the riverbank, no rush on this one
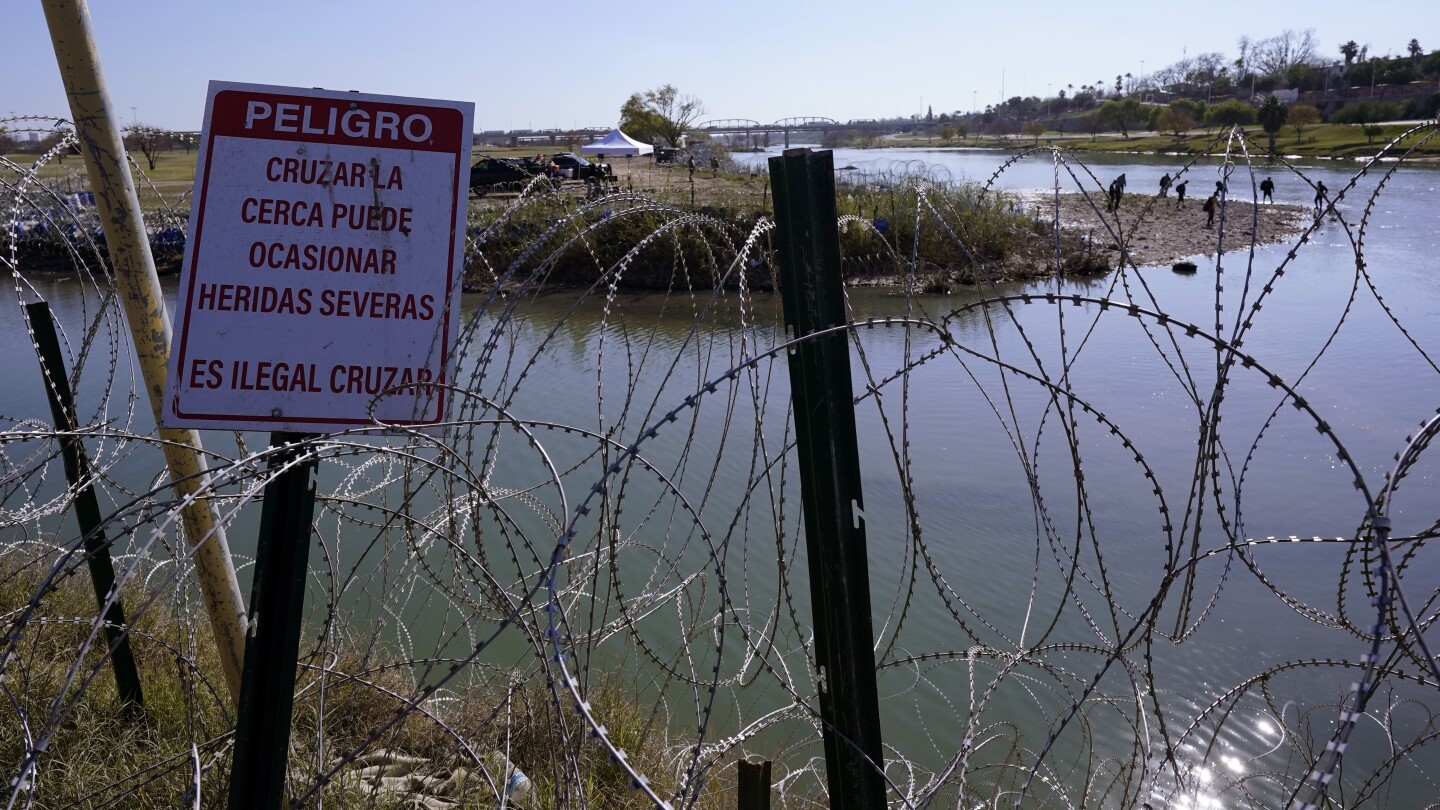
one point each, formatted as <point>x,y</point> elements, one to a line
<point>1155,231</point>
<point>1321,141</point>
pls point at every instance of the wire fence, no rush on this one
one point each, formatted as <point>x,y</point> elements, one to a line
<point>1136,540</point>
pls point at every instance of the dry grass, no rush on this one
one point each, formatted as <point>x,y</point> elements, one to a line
<point>96,755</point>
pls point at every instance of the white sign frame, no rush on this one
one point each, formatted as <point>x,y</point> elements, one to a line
<point>320,289</point>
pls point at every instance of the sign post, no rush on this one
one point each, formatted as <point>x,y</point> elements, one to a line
<point>321,292</point>
<point>277,606</point>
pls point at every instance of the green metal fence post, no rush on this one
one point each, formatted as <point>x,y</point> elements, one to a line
<point>755,785</point>
<point>829,461</point>
<point>277,601</point>
<point>87,507</point>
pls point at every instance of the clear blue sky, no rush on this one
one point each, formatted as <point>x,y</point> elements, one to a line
<point>560,65</point>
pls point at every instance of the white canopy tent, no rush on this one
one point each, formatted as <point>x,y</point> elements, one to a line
<point>617,143</point>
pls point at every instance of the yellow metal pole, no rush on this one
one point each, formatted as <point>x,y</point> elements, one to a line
<point>134,268</point>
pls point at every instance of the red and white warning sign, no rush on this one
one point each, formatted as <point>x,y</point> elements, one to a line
<point>321,284</point>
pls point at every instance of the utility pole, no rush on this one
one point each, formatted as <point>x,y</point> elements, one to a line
<point>118,204</point>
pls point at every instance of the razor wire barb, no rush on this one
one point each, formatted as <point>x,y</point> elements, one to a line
<point>582,591</point>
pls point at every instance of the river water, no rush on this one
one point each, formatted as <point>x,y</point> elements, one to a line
<point>1029,484</point>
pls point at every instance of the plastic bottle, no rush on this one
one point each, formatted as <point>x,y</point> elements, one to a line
<point>513,781</point>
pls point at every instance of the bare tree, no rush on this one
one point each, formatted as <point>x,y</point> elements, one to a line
<point>53,138</point>
<point>1278,54</point>
<point>1208,67</point>
<point>148,141</point>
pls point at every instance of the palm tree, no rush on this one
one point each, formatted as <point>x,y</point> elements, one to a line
<point>1415,50</point>
<point>1349,50</point>
<point>1272,115</point>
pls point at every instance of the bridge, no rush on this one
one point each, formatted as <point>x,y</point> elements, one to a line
<point>797,124</point>
<point>552,138</point>
<point>749,128</point>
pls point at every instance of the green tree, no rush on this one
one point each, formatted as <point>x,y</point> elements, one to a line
<point>1301,116</point>
<point>1194,107</point>
<point>1176,121</point>
<point>1120,114</point>
<point>1034,129</point>
<point>1272,116</point>
<point>639,122</point>
<point>1415,50</point>
<point>946,133</point>
<point>1231,113</point>
<point>660,113</point>
<point>1431,65</point>
<point>1367,115</point>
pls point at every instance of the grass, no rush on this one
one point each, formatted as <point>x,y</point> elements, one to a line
<point>95,754</point>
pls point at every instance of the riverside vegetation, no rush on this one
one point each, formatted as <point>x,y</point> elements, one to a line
<point>662,219</point>
<point>99,750</point>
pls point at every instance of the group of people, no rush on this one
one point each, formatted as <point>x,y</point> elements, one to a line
<point>1212,203</point>
<point>1116,192</point>
<point>547,166</point>
<point>714,166</point>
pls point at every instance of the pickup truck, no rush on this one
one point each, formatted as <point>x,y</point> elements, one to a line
<point>502,174</point>
<point>575,167</point>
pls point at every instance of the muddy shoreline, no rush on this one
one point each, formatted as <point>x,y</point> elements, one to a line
<point>1155,231</point>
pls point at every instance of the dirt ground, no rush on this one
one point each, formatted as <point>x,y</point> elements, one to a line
<point>672,183</point>
<point>1156,232</point>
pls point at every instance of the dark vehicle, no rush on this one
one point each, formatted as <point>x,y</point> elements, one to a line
<point>574,167</point>
<point>501,174</point>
